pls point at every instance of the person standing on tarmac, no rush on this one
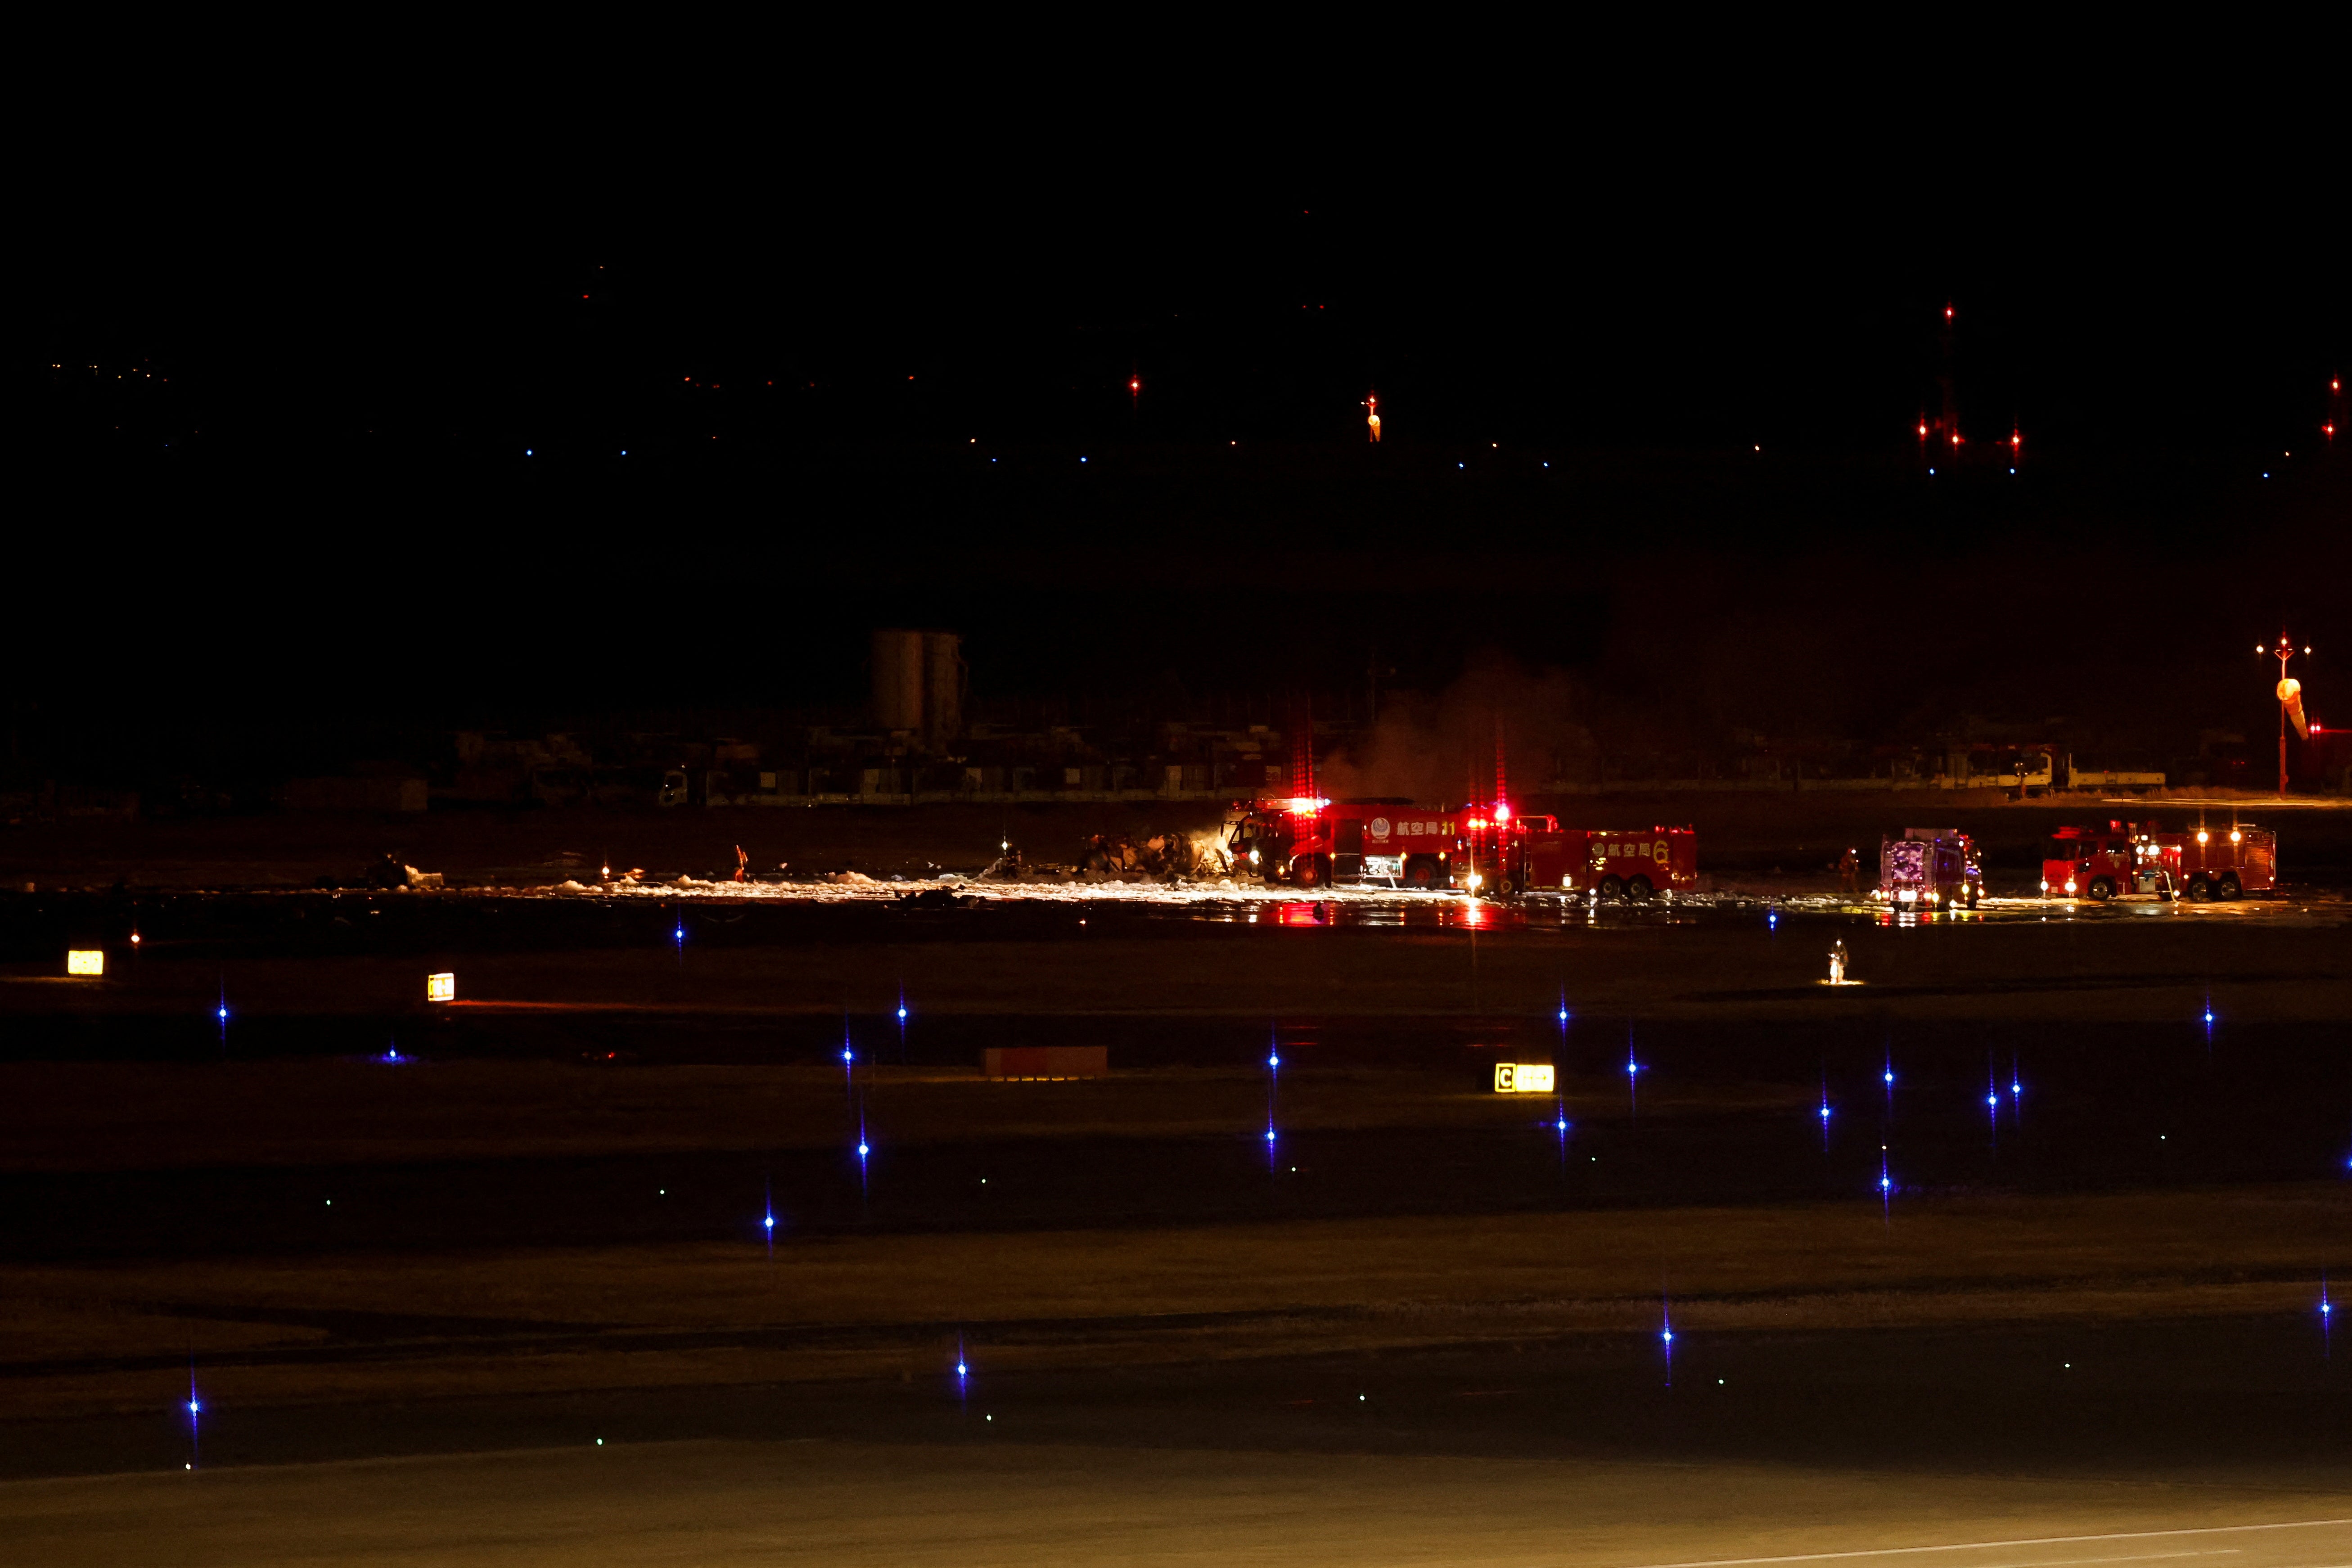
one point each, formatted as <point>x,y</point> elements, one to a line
<point>1849,869</point>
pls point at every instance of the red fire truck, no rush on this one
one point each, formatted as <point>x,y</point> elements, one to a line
<point>2126,858</point>
<point>1929,868</point>
<point>1536,855</point>
<point>1483,849</point>
<point>1312,843</point>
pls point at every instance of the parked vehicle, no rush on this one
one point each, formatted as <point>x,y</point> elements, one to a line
<point>1482,848</point>
<point>1929,868</point>
<point>2139,857</point>
<point>1313,843</point>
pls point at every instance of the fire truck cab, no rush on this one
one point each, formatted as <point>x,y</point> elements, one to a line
<point>1929,869</point>
<point>2100,864</point>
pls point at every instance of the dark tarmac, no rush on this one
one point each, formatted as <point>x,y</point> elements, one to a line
<point>1422,1324</point>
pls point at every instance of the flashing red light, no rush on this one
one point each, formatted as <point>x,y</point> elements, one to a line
<point>1476,823</point>
<point>2015,440</point>
<point>1135,385</point>
<point>1502,813</point>
<point>1923,429</point>
<point>1948,312</point>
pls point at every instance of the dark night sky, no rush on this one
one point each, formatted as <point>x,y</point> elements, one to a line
<point>320,505</point>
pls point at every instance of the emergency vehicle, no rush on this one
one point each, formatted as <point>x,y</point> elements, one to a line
<point>1536,855</point>
<point>1482,848</point>
<point>2127,857</point>
<point>1930,868</point>
<point>1312,843</point>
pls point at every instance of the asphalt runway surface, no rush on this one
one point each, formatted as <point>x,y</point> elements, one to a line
<point>723,1503</point>
<point>422,1259</point>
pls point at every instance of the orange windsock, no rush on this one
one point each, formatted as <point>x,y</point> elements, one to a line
<point>2290,691</point>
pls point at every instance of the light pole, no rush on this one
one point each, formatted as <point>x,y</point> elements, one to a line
<point>2290,697</point>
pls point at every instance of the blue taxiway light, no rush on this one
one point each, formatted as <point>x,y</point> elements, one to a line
<point>1274,1061</point>
<point>902,1015</point>
<point>861,1150</point>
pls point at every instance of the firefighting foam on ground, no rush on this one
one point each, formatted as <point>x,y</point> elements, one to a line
<point>1483,863</point>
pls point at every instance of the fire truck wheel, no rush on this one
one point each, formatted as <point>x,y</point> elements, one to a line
<point>1638,889</point>
<point>1505,886</point>
<point>1419,874</point>
<point>2230,887</point>
<point>1612,890</point>
<point>2102,889</point>
<point>2200,889</point>
<point>1308,871</point>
